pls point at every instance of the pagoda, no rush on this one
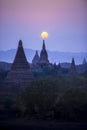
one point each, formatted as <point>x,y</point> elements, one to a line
<point>20,73</point>
<point>84,61</point>
<point>35,59</point>
<point>43,55</point>
<point>73,70</point>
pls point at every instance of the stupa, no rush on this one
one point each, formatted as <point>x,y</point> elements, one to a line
<point>84,61</point>
<point>20,73</point>
<point>73,70</point>
<point>35,60</point>
<point>43,55</point>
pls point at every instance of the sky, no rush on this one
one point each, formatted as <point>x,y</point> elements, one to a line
<point>64,20</point>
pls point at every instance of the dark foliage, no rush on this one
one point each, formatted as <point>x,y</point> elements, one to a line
<point>3,74</point>
<point>50,96</point>
<point>55,98</point>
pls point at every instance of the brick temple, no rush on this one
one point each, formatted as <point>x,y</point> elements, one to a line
<point>20,73</point>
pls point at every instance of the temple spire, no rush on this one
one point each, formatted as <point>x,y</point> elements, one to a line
<point>73,70</point>
<point>20,43</point>
<point>43,55</point>
<point>20,61</point>
<point>43,47</point>
<point>84,61</point>
<point>20,73</point>
<point>36,58</point>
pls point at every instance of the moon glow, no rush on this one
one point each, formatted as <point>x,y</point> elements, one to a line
<point>44,35</point>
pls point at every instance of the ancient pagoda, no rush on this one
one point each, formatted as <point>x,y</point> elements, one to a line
<point>36,58</point>
<point>73,70</point>
<point>84,61</point>
<point>20,73</point>
<point>43,55</point>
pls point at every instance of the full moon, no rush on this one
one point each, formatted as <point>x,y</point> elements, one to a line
<point>44,35</point>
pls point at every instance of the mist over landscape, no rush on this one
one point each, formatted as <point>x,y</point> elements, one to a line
<point>54,56</point>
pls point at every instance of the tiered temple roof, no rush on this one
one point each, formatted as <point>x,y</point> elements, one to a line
<point>43,55</point>
<point>36,58</point>
<point>20,74</point>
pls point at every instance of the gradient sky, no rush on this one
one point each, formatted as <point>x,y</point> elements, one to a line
<point>64,20</point>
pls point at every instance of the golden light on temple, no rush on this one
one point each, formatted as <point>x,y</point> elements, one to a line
<point>44,35</point>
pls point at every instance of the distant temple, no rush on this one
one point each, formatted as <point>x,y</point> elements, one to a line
<point>20,73</point>
<point>43,56</point>
<point>73,70</point>
<point>84,61</point>
<point>42,60</point>
<point>35,59</point>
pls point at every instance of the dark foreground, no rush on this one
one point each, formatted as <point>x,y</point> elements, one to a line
<point>41,125</point>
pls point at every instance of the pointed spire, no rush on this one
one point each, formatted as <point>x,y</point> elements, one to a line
<point>36,58</point>
<point>73,63</point>
<point>20,61</point>
<point>84,61</point>
<point>20,73</point>
<point>43,47</point>
<point>20,43</point>
<point>73,69</point>
<point>37,53</point>
<point>44,55</point>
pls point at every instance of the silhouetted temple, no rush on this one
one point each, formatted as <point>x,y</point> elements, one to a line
<point>84,61</point>
<point>20,73</point>
<point>36,58</point>
<point>73,70</point>
<point>43,55</point>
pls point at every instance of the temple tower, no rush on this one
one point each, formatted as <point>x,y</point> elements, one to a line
<point>43,55</point>
<point>20,73</point>
<point>73,70</point>
<point>35,59</point>
<point>84,61</point>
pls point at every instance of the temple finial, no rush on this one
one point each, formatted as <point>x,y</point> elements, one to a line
<point>20,42</point>
<point>43,47</point>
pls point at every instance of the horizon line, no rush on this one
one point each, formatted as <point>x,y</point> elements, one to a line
<point>47,50</point>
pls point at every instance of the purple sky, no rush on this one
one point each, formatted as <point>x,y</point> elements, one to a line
<point>64,20</point>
